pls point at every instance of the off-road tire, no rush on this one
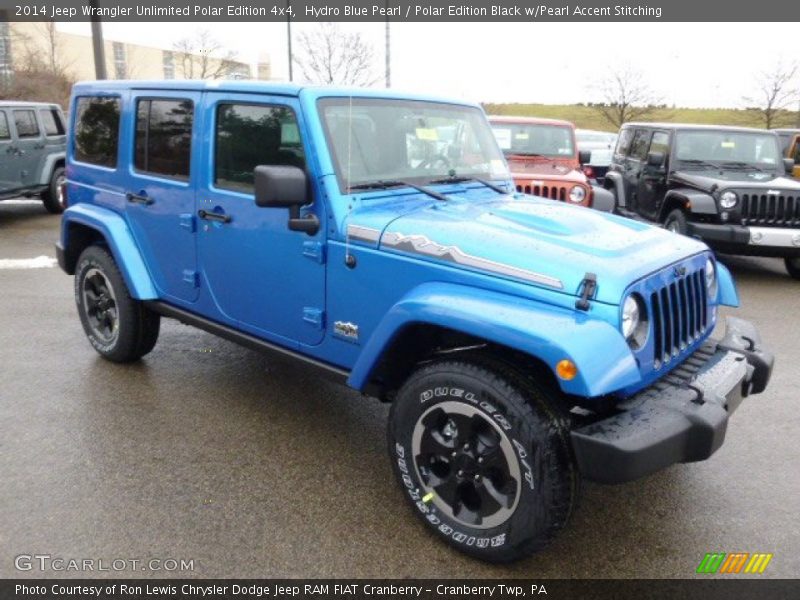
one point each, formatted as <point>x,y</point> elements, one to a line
<point>51,197</point>
<point>676,222</point>
<point>793,266</point>
<point>539,434</point>
<point>136,327</point>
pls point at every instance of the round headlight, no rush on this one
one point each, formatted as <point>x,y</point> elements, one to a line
<point>728,200</point>
<point>634,321</point>
<point>711,279</point>
<point>630,317</point>
<point>577,194</point>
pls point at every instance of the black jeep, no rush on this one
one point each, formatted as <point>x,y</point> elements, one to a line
<point>725,185</point>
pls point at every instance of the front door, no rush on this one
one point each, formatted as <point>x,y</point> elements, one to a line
<point>29,146</point>
<point>160,188</point>
<point>633,168</point>
<point>653,178</point>
<point>266,278</point>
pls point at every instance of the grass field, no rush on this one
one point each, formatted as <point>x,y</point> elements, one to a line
<point>589,118</point>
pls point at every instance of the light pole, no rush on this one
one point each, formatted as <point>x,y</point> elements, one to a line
<point>97,44</point>
<point>388,50</point>
<point>289,36</point>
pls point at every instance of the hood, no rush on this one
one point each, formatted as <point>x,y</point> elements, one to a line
<point>740,179</point>
<point>544,167</point>
<point>539,242</point>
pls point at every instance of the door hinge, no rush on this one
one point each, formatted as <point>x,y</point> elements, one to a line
<point>191,278</point>
<point>314,316</point>
<point>187,222</point>
<point>314,250</point>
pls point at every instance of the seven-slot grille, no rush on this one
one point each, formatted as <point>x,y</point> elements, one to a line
<point>680,315</point>
<point>770,209</point>
<point>546,191</point>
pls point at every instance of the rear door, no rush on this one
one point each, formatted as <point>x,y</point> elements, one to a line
<point>161,180</point>
<point>29,146</point>
<point>266,278</point>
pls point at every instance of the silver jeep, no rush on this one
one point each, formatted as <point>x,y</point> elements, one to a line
<point>32,150</point>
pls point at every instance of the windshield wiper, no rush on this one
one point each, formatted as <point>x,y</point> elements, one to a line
<point>488,184</point>
<point>386,184</point>
<point>698,162</point>
<point>741,165</point>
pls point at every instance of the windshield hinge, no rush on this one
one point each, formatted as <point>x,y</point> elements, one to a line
<point>587,288</point>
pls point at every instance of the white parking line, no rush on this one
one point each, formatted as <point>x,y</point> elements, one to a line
<point>40,262</point>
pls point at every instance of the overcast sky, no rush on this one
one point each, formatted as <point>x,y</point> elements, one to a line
<point>691,65</point>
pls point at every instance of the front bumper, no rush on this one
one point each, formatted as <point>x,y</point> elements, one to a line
<point>680,418</point>
<point>763,241</point>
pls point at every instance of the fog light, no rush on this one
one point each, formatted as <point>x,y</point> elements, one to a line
<point>566,370</point>
<point>796,239</point>
<point>757,236</point>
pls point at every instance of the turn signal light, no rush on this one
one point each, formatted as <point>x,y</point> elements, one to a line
<point>566,369</point>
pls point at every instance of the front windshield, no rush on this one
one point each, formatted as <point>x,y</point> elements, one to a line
<point>382,140</point>
<point>720,148</point>
<point>530,139</point>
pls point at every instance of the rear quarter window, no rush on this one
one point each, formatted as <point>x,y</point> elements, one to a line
<point>97,130</point>
<point>51,121</point>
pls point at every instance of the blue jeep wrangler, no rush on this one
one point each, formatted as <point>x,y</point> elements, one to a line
<point>376,237</point>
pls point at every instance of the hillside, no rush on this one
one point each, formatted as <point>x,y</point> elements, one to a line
<point>589,118</point>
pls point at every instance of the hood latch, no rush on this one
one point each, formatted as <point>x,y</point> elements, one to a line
<point>587,287</point>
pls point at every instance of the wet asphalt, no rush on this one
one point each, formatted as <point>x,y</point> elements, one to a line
<point>208,452</point>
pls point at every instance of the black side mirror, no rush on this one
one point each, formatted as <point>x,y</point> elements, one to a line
<point>584,157</point>
<point>285,187</point>
<point>788,165</point>
<point>655,159</point>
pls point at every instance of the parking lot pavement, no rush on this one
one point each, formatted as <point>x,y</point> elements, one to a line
<point>206,451</point>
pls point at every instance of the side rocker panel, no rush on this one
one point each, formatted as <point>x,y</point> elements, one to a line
<point>549,333</point>
<point>120,241</point>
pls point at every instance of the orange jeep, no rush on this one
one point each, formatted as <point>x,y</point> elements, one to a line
<point>790,144</point>
<point>544,159</point>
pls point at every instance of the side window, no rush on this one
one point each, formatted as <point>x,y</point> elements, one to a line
<point>97,130</point>
<point>51,121</point>
<point>640,143</point>
<point>164,137</point>
<point>5,134</point>
<point>660,142</point>
<point>250,135</point>
<point>624,142</point>
<point>25,121</point>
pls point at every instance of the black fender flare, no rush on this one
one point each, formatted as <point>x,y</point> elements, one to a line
<point>693,201</point>
<point>614,184</point>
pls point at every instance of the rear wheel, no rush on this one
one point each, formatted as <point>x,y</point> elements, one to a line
<point>119,327</point>
<point>483,458</point>
<point>793,266</point>
<point>53,196</point>
<point>676,222</point>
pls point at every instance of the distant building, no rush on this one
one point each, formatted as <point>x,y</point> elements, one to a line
<point>71,54</point>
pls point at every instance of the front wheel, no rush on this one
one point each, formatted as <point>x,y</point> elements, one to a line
<point>119,327</point>
<point>676,222</point>
<point>483,458</point>
<point>793,266</point>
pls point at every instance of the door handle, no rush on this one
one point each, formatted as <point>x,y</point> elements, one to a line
<point>212,216</point>
<point>138,199</point>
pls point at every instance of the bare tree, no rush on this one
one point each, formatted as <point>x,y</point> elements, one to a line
<point>328,55</point>
<point>775,94</point>
<point>626,96</point>
<point>204,57</point>
<point>42,73</point>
